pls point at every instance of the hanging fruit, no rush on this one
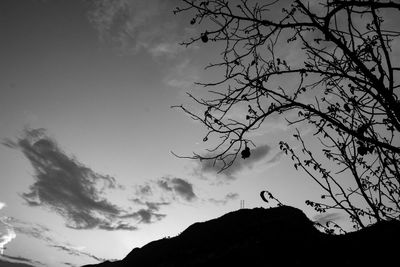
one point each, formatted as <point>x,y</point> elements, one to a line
<point>204,37</point>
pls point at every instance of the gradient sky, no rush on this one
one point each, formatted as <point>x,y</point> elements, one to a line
<point>87,131</point>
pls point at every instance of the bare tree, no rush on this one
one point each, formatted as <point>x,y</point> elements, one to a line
<point>343,82</point>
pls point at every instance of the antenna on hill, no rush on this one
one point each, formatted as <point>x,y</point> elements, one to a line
<point>241,204</point>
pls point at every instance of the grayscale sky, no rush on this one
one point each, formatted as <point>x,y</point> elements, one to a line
<point>87,131</point>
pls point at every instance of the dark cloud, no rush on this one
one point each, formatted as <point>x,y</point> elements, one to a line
<point>144,190</point>
<point>210,166</point>
<point>17,261</point>
<point>163,184</point>
<point>156,205</point>
<point>232,196</point>
<point>66,186</point>
<point>225,200</point>
<point>149,214</point>
<point>13,264</point>
<point>76,192</point>
<point>146,216</point>
<point>179,186</point>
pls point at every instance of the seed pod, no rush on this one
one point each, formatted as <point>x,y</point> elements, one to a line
<point>204,37</point>
<point>245,152</point>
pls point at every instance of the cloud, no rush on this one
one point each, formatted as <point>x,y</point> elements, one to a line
<point>163,191</point>
<point>146,216</point>
<point>76,192</point>
<point>149,214</point>
<point>209,166</point>
<point>18,262</point>
<point>7,232</point>
<point>150,205</point>
<point>44,234</point>
<point>133,25</point>
<point>225,200</point>
<point>183,75</point>
<point>36,231</point>
<point>144,190</point>
<point>275,158</point>
<point>76,251</point>
<point>178,186</point>
<point>66,186</point>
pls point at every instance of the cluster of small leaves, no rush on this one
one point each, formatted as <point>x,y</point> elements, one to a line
<point>317,206</point>
<point>330,228</point>
<point>373,185</point>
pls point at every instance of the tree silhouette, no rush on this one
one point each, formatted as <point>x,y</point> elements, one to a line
<point>342,82</point>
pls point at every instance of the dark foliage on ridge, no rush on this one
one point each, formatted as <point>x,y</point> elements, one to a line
<point>280,236</point>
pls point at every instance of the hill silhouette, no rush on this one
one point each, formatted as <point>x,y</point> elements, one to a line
<point>281,236</point>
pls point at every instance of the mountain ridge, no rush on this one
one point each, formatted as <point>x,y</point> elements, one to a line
<point>263,237</point>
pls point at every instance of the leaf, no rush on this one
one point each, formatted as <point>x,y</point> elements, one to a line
<point>262,195</point>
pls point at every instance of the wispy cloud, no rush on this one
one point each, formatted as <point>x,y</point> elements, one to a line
<point>43,233</point>
<point>183,75</point>
<point>36,231</point>
<point>133,25</point>
<point>209,166</point>
<point>225,200</point>
<point>76,251</point>
<point>18,261</point>
<point>66,186</point>
<point>275,158</point>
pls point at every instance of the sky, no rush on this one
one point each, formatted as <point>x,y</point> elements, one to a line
<point>87,131</point>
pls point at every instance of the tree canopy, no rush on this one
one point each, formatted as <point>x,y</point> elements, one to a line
<point>343,82</point>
